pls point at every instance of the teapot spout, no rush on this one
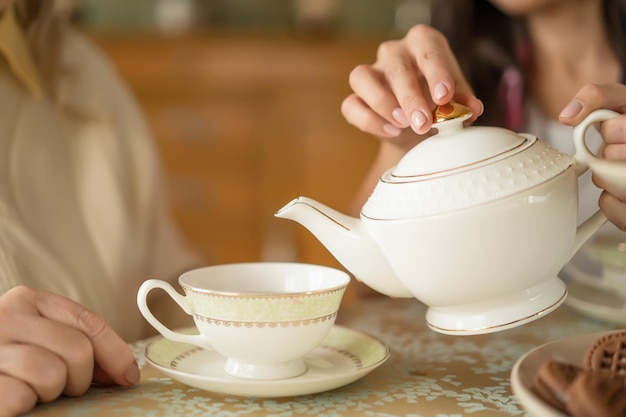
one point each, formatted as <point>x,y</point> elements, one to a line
<point>348,242</point>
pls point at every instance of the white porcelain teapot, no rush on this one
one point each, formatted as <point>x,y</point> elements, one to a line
<point>475,222</point>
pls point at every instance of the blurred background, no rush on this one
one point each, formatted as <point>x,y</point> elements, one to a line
<point>243,98</point>
<point>329,17</point>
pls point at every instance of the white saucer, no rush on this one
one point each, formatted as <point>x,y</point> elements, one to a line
<point>345,356</point>
<point>571,350</point>
<point>597,303</point>
<point>592,300</point>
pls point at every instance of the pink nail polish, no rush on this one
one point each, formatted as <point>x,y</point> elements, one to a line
<point>572,109</point>
<point>399,116</point>
<point>391,130</point>
<point>418,118</point>
<point>440,91</point>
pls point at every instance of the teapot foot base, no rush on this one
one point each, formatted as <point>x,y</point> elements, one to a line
<point>498,314</point>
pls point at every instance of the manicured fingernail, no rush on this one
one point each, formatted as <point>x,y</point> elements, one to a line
<point>418,119</point>
<point>482,107</point>
<point>399,116</point>
<point>391,130</point>
<point>572,109</point>
<point>132,374</point>
<point>440,91</point>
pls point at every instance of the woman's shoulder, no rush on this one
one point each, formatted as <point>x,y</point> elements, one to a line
<point>88,79</point>
<point>80,53</point>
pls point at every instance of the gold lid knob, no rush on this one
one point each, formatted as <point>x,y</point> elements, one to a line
<point>450,111</point>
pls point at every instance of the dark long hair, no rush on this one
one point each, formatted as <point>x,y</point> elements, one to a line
<point>488,43</point>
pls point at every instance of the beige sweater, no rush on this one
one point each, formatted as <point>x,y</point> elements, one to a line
<point>82,207</point>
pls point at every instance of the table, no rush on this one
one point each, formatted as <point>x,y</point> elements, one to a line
<point>427,374</point>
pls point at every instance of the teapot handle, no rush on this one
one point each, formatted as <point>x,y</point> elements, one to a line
<point>612,172</point>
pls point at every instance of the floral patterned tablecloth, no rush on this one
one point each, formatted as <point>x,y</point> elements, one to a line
<point>427,374</point>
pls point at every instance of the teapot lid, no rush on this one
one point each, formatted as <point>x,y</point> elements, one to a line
<point>454,146</point>
<point>462,167</point>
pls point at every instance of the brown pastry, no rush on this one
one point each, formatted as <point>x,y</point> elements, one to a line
<point>553,380</point>
<point>607,353</point>
<point>597,394</point>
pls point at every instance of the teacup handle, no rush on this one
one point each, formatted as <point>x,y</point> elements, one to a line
<point>613,172</point>
<point>181,300</point>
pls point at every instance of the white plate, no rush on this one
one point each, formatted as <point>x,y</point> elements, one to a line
<point>571,350</point>
<point>345,356</point>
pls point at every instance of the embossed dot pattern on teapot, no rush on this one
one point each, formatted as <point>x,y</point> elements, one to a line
<point>483,183</point>
<point>463,167</point>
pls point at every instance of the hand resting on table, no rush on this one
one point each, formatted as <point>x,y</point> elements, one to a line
<point>52,346</point>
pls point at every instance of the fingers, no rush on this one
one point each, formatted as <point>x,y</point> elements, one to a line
<point>614,209</point>
<point>22,323</point>
<point>409,78</point>
<point>359,114</point>
<point>111,353</point>
<point>16,397</point>
<point>100,377</point>
<point>593,97</point>
<point>441,75</point>
<point>53,345</point>
<point>613,133</point>
<point>372,91</point>
<point>411,100</point>
<point>615,150</point>
<point>42,371</point>
<point>435,61</point>
<point>612,97</point>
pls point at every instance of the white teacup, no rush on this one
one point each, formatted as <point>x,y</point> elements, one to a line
<point>262,316</point>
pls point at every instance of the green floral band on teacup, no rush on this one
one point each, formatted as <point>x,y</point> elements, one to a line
<point>263,309</point>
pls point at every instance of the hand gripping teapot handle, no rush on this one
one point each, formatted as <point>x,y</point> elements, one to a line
<point>585,159</point>
<point>612,172</point>
<point>181,300</point>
